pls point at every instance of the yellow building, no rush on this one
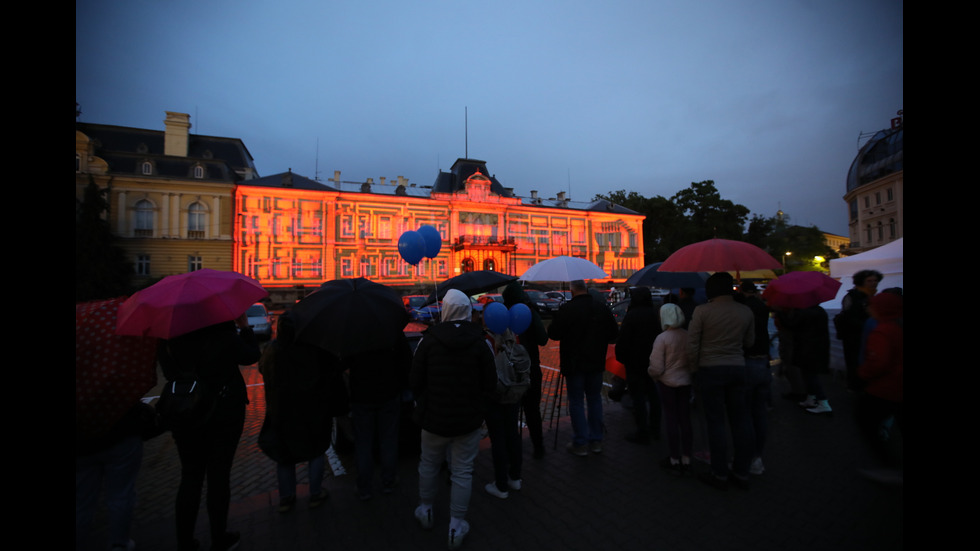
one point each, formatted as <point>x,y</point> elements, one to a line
<point>875,190</point>
<point>171,191</point>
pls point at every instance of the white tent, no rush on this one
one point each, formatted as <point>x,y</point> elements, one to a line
<point>887,259</point>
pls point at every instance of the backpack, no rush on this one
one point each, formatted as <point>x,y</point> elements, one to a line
<point>186,401</point>
<point>513,368</point>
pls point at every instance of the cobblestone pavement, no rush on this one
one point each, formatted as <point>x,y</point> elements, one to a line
<point>812,495</point>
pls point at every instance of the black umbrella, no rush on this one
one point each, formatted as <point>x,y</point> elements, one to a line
<point>348,316</point>
<point>649,276</point>
<point>472,283</point>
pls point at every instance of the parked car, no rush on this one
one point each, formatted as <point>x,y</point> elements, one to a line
<point>490,297</point>
<point>547,306</point>
<point>560,296</point>
<point>260,321</point>
<point>619,309</point>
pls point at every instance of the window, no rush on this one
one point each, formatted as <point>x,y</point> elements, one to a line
<point>144,218</point>
<point>147,168</point>
<point>143,265</point>
<point>490,265</point>
<point>892,226</point>
<point>890,195</point>
<point>467,265</point>
<point>199,171</point>
<point>196,219</point>
<point>877,197</point>
<point>194,263</point>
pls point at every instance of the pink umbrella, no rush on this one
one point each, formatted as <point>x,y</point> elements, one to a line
<point>179,304</point>
<point>800,290</point>
<point>112,372</point>
<point>719,255</point>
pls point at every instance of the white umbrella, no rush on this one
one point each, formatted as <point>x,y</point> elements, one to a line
<point>563,268</point>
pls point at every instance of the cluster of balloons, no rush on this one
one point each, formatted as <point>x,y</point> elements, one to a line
<point>413,246</point>
<point>498,318</point>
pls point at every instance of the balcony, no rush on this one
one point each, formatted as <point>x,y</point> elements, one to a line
<point>484,243</point>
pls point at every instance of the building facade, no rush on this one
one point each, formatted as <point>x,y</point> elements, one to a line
<point>875,190</point>
<point>294,233</point>
<point>171,192</point>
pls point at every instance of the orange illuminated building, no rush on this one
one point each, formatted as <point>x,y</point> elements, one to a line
<point>294,233</point>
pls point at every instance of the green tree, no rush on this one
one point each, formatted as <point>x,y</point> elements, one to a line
<point>101,268</point>
<point>707,215</point>
<point>777,236</point>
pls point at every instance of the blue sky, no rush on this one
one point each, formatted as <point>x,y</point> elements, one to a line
<point>765,97</point>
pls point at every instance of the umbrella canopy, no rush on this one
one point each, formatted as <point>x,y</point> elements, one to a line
<point>800,290</point>
<point>112,372</point>
<point>472,283</point>
<point>179,304</point>
<point>650,276</point>
<point>563,268</point>
<point>348,316</point>
<point>719,255</point>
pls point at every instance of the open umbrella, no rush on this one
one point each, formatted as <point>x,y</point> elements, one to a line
<point>800,290</point>
<point>563,268</point>
<point>472,283</point>
<point>112,372</point>
<point>348,316</point>
<point>719,255</point>
<point>650,276</point>
<point>179,304</point>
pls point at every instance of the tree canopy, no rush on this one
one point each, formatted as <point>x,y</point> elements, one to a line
<point>101,268</point>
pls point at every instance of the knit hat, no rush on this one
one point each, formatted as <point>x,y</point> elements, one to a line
<point>671,316</point>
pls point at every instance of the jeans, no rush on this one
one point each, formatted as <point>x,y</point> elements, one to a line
<point>505,440</point>
<point>585,390</point>
<point>462,450</point>
<point>286,475</point>
<point>722,389</point>
<point>117,467</point>
<point>757,389</point>
<point>381,421</point>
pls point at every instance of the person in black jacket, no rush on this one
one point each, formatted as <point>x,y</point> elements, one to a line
<point>639,329</point>
<point>585,327</point>
<point>453,379</point>
<point>534,337</point>
<point>207,449</point>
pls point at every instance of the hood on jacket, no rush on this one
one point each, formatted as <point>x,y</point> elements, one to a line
<point>886,306</point>
<point>514,294</point>
<point>456,306</point>
<point>671,316</point>
<point>640,297</point>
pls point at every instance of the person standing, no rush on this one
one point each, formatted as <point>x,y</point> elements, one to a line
<point>207,449</point>
<point>640,327</point>
<point>453,379</point>
<point>810,352</point>
<point>532,339</point>
<point>719,334</point>
<point>669,368</point>
<point>585,327</point>
<point>758,376</point>
<point>883,373</point>
<point>850,321</point>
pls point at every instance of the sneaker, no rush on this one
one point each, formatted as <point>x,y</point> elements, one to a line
<point>595,447</point>
<point>756,466</point>
<point>514,484</point>
<point>703,456</point>
<point>457,534</point>
<point>491,489</point>
<point>229,542</point>
<point>580,451</point>
<point>318,498</point>
<point>821,407</point>
<point>423,514</point>
<point>810,402</point>
<point>286,504</point>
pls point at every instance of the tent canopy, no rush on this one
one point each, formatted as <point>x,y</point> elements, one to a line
<point>887,259</point>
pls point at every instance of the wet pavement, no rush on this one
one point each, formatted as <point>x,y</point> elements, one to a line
<point>812,495</point>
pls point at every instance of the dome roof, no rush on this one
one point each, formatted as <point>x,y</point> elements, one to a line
<point>881,155</point>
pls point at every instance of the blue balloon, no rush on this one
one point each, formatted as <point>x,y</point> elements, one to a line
<point>496,317</point>
<point>520,318</point>
<point>411,246</point>
<point>433,240</point>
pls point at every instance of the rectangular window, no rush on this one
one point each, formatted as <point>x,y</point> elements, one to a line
<point>194,263</point>
<point>143,265</point>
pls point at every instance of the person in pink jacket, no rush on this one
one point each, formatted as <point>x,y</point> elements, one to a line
<point>669,367</point>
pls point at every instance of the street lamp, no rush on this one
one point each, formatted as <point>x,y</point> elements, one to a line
<point>784,260</point>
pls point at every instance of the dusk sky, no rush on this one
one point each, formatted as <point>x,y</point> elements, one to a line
<point>767,98</point>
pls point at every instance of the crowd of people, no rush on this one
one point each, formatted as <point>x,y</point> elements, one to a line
<point>679,357</point>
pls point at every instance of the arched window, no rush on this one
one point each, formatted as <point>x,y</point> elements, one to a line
<point>199,171</point>
<point>196,220</point>
<point>144,219</point>
<point>467,265</point>
<point>147,168</point>
<point>490,264</point>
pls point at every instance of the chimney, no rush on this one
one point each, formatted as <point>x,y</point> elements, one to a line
<point>336,177</point>
<point>534,194</point>
<point>382,180</point>
<point>561,195</point>
<point>287,179</point>
<point>176,136</point>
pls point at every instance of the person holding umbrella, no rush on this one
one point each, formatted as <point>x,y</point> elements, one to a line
<point>532,338</point>
<point>207,447</point>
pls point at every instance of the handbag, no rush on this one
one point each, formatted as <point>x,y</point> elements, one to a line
<point>186,401</point>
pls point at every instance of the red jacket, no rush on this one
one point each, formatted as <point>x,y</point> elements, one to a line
<point>883,359</point>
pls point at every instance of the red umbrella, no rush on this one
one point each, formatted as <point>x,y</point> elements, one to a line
<point>179,304</point>
<point>112,372</point>
<point>800,290</point>
<point>613,365</point>
<point>719,255</point>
